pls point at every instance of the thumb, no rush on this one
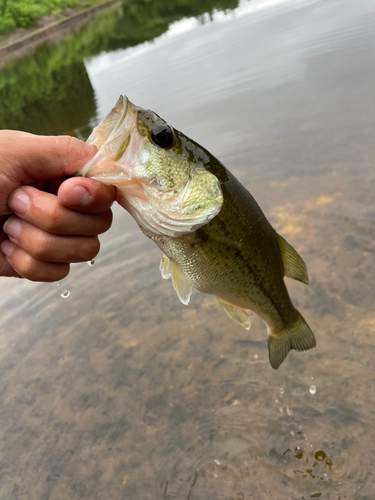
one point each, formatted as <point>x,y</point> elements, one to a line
<point>37,157</point>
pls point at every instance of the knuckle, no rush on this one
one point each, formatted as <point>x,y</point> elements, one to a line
<point>74,148</point>
<point>73,253</point>
<point>85,249</point>
<point>40,246</point>
<point>49,272</point>
<point>107,218</point>
<point>53,223</point>
<point>79,249</point>
<point>25,266</point>
<point>35,270</point>
<point>62,271</point>
<point>93,249</point>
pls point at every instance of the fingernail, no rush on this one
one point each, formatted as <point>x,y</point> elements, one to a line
<point>19,202</point>
<point>7,248</point>
<point>77,197</point>
<point>12,227</point>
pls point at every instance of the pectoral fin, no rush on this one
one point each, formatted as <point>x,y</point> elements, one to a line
<point>165,267</point>
<point>239,315</point>
<point>170,269</point>
<point>294,267</point>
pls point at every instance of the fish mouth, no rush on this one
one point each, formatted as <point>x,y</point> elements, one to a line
<point>111,137</point>
<point>123,156</point>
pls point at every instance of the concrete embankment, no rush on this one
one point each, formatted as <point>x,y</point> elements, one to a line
<point>20,44</point>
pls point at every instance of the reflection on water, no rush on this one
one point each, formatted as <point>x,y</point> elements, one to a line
<point>50,92</point>
<point>118,390</point>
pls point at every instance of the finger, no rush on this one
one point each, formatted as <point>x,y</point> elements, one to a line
<point>44,211</point>
<point>5,268</point>
<point>31,268</point>
<point>86,195</point>
<point>45,157</point>
<point>49,247</point>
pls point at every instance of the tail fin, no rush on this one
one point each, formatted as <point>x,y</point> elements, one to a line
<point>299,337</point>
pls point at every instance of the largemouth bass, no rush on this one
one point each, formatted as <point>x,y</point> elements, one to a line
<point>213,235</point>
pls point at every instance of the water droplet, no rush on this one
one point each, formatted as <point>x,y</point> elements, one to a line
<point>57,284</point>
<point>298,452</point>
<point>65,294</point>
<point>91,262</point>
<point>320,455</point>
<point>312,389</point>
<point>281,390</point>
<point>217,462</point>
<point>256,356</point>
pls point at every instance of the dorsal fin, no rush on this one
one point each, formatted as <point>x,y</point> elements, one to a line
<point>294,267</point>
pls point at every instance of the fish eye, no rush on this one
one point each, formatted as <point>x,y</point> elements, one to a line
<point>162,135</point>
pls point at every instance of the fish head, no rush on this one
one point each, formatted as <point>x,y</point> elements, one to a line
<point>164,187</point>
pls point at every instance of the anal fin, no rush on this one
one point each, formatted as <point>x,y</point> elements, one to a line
<point>294,266</point>
<point>239,315</point>
<point>170,269</point>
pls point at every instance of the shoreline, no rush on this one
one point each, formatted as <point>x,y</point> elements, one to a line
<point>14,46</point>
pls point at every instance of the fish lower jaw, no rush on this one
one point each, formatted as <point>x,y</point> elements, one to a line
<point>154,220</point>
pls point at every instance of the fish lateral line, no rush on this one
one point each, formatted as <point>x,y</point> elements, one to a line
<point>220,238</point>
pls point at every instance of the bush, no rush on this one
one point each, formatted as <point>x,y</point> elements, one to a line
<point>26,15</point>
<point>6,24</point>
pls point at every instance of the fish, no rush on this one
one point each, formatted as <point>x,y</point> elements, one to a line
<point>213,234</point>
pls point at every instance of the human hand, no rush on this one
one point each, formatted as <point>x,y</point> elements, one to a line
<point>47,222</point>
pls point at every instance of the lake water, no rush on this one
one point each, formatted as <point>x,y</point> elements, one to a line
<point>118,391</point>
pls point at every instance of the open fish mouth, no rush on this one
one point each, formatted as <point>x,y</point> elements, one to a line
<point>112,136</point>
<point>111,125</point>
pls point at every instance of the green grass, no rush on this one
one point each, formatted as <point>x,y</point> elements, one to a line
<point>26,13</point>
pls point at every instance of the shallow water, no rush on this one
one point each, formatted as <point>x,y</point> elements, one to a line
<point>120,391</point>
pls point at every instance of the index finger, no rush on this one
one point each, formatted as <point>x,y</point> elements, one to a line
<point>86,195</point>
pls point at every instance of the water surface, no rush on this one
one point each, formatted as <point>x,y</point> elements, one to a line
<point>120,391</point>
